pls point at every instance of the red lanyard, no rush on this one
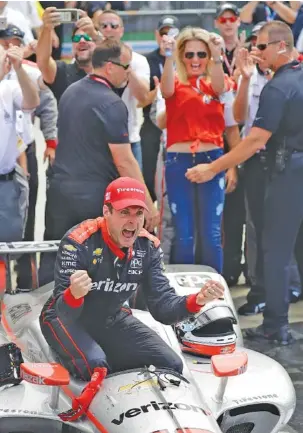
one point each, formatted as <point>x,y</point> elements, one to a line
<point>100,80</point>
<point>230,66</point>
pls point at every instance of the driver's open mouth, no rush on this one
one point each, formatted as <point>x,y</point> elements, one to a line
<point>128,233</point>
<point>82,48</point>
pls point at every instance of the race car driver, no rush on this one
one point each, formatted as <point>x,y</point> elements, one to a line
<point>100,264</point>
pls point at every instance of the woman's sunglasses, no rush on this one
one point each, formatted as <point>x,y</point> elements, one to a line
<point>262,47</point>
<point>85,36</point>
<point>224,20</point>
<point>191,54</point>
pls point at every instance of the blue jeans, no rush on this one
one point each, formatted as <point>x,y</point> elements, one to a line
<point>11,217</point>
<point>196,210</point>
<point>137,151</point>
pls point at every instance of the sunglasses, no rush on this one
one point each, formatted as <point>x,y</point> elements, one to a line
<point>77,38</point>
<point>224,20</point>
<point>112,25</point>
<point>125,67</point>
<point>262,47</point>
<point>191,54</point>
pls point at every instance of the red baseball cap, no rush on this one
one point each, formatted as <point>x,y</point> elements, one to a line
<point>124,192</point>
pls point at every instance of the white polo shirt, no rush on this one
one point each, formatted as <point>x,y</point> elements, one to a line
<point>299,45</point>
<point>257,82</point>
<point>10,102</point>
<point>140,66</point>
<point>24,125</point>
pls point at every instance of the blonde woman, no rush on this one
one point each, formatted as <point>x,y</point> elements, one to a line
<point>195,126</point>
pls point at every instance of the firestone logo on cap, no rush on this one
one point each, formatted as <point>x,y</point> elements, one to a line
<point>124,192</point>
<point>130,190</point>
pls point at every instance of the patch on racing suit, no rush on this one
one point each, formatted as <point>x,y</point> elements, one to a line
<point>84,230</point>
<point>69,247</point>
<point>109,285</point>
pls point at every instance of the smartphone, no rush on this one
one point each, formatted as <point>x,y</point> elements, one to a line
<point>69,15</point>
<point>3,23</point>
<point>173,33</point>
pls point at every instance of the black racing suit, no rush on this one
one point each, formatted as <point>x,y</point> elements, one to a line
<point>98,330</point>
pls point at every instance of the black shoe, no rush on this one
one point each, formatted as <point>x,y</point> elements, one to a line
<point>283,336</point>
<point>250,309</point>
<point>294,297</point>
<point>248,282</point>
<point>231,281</point>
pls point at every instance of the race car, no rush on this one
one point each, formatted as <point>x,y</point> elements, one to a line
<point>240,391</point>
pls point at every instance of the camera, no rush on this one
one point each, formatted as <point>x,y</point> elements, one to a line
<point>69,15</point>
<point>3,23</point>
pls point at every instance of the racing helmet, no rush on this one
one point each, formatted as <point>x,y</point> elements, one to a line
<point>208,333</point>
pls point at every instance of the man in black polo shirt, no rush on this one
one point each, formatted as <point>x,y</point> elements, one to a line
<point>150,133</point>
<point>58,75</point>
<point>93,147</point>
<point>278,126</point>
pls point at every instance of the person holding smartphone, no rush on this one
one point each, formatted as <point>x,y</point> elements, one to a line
<point>58,75</point>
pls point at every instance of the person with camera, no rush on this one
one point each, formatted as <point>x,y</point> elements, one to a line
<point>278,127</point>
<point>58,75</point>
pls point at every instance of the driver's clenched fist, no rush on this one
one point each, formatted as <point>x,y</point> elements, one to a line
<point>80,284</point>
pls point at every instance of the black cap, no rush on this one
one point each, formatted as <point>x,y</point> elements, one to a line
<point>168,21</point>
<point>12,31</point>
<point>227,7</point>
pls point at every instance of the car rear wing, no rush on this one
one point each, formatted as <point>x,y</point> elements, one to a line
<point>11,250</point>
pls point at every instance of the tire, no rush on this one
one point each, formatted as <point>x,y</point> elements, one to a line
<point>29,425</point>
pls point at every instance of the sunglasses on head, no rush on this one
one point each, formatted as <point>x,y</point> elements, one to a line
<point>262,47</point>
<point>191,54</point>
<point>224,20</point>
<point>112,25</point>
<point>85,36</point>
<point>125,67</point>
